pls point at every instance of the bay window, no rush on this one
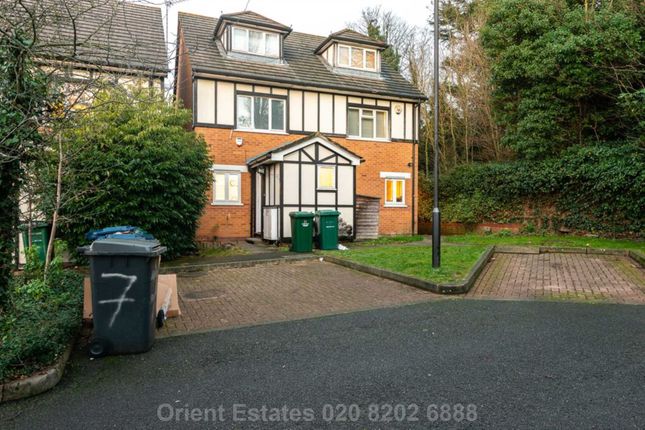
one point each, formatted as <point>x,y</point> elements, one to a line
<point>367,123</point>
<point>260,113</point>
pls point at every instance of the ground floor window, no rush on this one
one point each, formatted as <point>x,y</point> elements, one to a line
<point>395,192</point>
<point>326,177</point>
<point>226,187</point>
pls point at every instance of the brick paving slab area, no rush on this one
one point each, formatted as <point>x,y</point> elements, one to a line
<point>230,297</point>
<point>554,276</point>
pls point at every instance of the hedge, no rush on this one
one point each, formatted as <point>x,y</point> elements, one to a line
<point>591,188</point>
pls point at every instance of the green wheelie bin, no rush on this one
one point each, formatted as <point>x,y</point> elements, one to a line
<point>302,231</point>
<point>327,222</point>
<point>39,237</point>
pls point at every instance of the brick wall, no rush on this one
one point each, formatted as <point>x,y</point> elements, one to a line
<point>235,221</point>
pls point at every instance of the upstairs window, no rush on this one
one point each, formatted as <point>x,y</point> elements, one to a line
<point>367,123</point>
<point>256,42</point>
<point>260,113</point>
<point>356,58</point>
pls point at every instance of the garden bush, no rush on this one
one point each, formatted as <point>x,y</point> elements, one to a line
<point>42,315</point>
<point>131,161</point>
<point>597,188</point>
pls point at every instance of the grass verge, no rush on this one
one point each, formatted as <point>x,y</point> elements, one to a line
<point>456,261</point>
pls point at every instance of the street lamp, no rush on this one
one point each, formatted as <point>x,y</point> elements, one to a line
<point>436,215</point>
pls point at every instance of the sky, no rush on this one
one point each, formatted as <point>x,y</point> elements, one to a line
<point>319,17</point>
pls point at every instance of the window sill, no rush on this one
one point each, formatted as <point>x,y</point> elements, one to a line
<point>247,130</point>
<point>226,204</point>
<point>392,205</point>
<point>369,139</point>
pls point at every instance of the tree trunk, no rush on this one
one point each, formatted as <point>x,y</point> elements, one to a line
<point>59,177</point>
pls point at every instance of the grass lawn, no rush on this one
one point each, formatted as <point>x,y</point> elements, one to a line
<point>545,240</point>
<point>456,261</point>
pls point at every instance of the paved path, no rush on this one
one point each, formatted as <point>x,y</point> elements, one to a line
<point>521,364</point>
<point>604,278</point>
<point>229,297</point>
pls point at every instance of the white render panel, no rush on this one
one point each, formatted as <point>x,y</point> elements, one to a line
<point>326,113</point>
<point>244,87</point>
<point>259,89</point>
<point>308,184</point>
<point>290,195</point>
<point>409,118</point>
<point>280,91</point>
<point>345,185</point>
<point>356,100</point>
<point>323,152</point>
<point>225,103</point>
<point>326,198</point>
<point>340,113</point>
<point>311,151</point>
<point>295,110</point>
<point>383,103</point>
<point>292,157</point>
<point>397,121</point>
<point>205,101</point>
<point>311,111</point>
<point>369,102</point>
<point>286,221</point>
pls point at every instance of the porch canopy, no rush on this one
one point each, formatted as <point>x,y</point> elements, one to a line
<point>308,174</point>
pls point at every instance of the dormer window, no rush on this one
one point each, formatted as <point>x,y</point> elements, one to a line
<point>256,42</point>
<point>357,58</point>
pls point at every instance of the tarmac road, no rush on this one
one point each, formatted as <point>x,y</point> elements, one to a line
<point>452,364</point>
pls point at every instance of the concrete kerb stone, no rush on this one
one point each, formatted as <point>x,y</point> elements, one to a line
<point>38,383</point>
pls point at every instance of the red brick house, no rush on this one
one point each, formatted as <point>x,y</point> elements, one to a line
<point>296,121</point>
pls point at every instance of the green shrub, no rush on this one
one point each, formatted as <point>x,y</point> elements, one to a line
<point>595,188</point>
<point>131,161</point>
<point>42,316</point>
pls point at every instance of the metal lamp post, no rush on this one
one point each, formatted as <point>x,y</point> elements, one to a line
<point>436,215</point>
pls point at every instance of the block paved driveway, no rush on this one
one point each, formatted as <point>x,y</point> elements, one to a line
<point>230,297</point>
<point>587,277</point>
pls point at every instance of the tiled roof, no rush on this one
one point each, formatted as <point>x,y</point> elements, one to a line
<point>349,34</point>
<point>108,33</point>
<point>301,66</point>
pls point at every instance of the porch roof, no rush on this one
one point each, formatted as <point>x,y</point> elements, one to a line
<point>276,154</point>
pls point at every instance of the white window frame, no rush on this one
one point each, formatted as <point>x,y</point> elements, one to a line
<point>266,130</point>
<point>373,117</point>
<point>364,55</point>
<point>395,177</point>
<point>228,173</point>
<point>263,49</point>
<point>326,166</point>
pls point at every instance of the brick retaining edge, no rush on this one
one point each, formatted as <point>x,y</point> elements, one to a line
<point>453,288</point>
<point>40,382</point>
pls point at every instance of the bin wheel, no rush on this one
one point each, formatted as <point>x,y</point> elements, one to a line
<point>99,348</point>
<point>161,317</point>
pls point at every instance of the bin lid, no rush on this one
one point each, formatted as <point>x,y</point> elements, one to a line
<point>301,214</point>
<point>327,212</point>
<point>124,246</point>
<point>120,229</point>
